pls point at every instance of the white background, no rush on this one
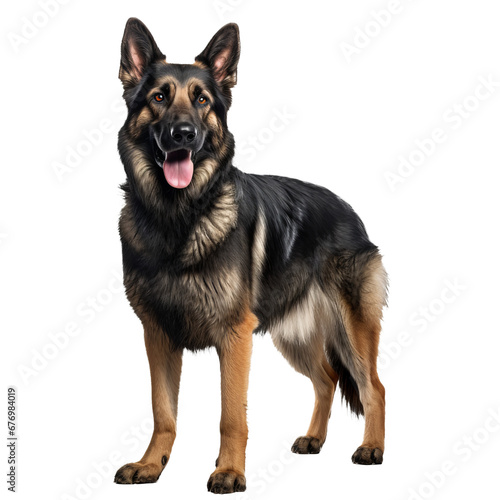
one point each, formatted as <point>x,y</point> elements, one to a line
<point>352,120</point>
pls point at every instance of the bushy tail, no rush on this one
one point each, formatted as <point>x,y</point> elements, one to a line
<point>348,387</point>
<point>361,289</point>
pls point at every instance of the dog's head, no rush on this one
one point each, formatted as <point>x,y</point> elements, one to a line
<point>177,112</point>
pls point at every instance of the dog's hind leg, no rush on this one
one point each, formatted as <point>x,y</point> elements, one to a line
<point>165,366</point>
<point>309,359</point>
<point>324,380</point>
<point>371,393</point>
<point>361,299</point>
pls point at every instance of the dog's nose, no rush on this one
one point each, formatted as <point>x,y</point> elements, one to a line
<point>183,132</point>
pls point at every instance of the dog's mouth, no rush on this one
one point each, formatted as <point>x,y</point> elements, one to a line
<point>177,166</point>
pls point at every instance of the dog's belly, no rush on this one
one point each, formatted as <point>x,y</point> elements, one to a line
<point>311,314</point>
<point>195,309</point>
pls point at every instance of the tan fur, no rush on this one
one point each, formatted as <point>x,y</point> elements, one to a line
<point>302,335</point>
<point>324,380</point>
<point>202,175</point>
<point>309,315</point>
<point>311,362</point>
<point>372,394</point>
<point>181,102</point>
<point>160,83</point>
<point>128,229</point>
<point>364,334</point>
<point>352,358</point>
<point>165,367</point>
<point>375,290</point>
<point>142,172</point>
<point>128,79</point>
<point>191,85</point>
<point>199,64</point>
<point>258,255</point>
<point>221,295</point>
<point>213,301</point>
<point>213,228</point>
<point>234,353</point>
<point>143,120</point>
<point>218,133</point>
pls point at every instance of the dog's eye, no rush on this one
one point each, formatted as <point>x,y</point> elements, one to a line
<point>159,97</point>
<point>202,99</point>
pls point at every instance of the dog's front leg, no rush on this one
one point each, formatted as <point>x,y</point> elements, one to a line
<point>165,365</point>
<point>234,355</point>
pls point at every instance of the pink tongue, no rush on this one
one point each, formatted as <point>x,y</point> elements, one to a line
<point>178,170</point>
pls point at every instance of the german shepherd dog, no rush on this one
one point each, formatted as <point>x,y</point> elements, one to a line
<point>212,255</point>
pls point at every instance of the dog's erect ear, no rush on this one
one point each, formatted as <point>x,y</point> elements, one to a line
<point>221,55</point>
<point>139,50</point>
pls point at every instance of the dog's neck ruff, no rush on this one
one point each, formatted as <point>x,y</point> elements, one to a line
<point>200,216</point>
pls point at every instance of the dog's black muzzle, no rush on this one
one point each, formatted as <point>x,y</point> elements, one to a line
<point>180,135</point>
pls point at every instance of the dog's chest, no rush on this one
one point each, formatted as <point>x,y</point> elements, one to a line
<point>195,309</point>
<point>196,305</point>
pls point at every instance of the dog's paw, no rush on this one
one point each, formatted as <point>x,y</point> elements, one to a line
<point>137,473</point>
<point>306,445</point>
<point>368,456</point>
<point>226,482</point>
